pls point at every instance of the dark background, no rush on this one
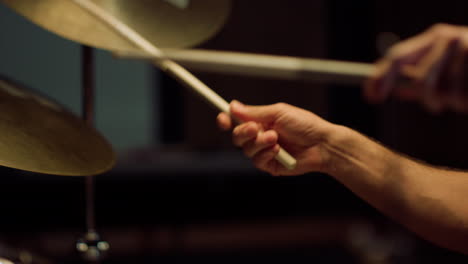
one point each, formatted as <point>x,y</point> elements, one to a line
<point>193,197</point>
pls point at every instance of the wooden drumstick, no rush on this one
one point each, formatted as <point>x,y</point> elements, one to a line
<point>169,66</point>
<point>260,65</point>
<point>271,66</point>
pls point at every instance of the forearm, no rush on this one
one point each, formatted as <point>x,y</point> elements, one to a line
<point>430,201</point>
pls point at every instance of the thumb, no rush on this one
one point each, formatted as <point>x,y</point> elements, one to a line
<point>244,113</point>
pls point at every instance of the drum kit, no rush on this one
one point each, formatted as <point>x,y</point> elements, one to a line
<point>39,135</point>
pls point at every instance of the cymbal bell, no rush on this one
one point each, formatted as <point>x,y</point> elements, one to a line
<point>165,23</point>
<point>39,135</point>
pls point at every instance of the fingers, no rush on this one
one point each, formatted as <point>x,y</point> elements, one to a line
<point>457,77</point>
<point>252,139</point>
<point>250,136</point>
<point>463,86</point>
<point>265,159</point>
<point>244,133</point>
<point>378,87</point>
<point>440,77</point>
<point>224,121</point>
<point>261,147</point>
<point>263,114</point>
<point>388,70</point>
<point>434,65</point>
<point>260,142</point>
<point>242,113</point>
<point>429,75</point>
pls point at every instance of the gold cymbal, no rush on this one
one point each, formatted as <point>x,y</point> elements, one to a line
<point>165,23</point>
<point>39,135</point>
<point>5,261</point>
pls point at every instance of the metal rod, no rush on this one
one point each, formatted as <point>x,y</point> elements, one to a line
<point>88,116</point>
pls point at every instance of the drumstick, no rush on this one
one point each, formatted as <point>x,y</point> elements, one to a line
<point>271,66</point>
<point>169,66</point>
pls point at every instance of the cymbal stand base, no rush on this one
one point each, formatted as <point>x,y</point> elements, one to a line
<point>91,247</point>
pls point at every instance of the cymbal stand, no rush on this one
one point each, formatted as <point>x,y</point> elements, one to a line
<point>90,245</point>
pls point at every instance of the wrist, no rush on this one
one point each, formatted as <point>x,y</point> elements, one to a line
<point>346,152</point>
<point>332,138</point>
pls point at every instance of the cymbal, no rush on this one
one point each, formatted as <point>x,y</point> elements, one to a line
<point>39,135</point>
<point>12,255</point>
<point>5,261</point>
<point>165,23</point>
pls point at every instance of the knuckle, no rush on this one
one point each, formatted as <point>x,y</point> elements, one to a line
<point>441,27</point>
<point>447,31</point>
<point>251,125</point>
<point>395,55</point>
<point>281,105</point>
<point>394,51</point>
<point>281,108</point>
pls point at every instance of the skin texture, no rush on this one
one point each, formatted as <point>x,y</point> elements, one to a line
<point>260,139</point>
<point>430,201</point>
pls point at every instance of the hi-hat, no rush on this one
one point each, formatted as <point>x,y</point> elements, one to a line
<point>39,135</point>
<point>165,23</point>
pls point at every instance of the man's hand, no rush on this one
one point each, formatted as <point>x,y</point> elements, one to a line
<point>265,128</point>
<point>433,65</point>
